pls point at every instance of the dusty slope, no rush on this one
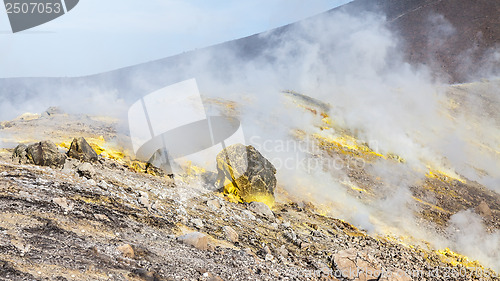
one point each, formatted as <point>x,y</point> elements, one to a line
<point>77,238</point>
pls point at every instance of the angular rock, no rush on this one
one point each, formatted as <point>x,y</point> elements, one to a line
<point>245,174</point>
<point>231,234</point>
<point>81,150</point>
<point>195,239</point>
<point>43,153</point>
<point>261,209</point>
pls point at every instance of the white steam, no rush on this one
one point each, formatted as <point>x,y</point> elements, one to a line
<point>351,62</point>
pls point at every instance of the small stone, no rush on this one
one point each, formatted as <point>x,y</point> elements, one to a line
<point>248,251</point>
<point>214,204</point>
<point>126,250</point>
<point>484,210</point>
<point>202,270</point>
<point>86,170</point>
<point>63,203</point>
<point>101,217</point>
<point>261,209</point>
<point>231,234</point>
<point>265,251</point>
<point>198,223</point>
<point>214,278</point>
<point>249,215</point>
<point>195,239</point>
<point>282,251</point>
<point>144,199</point>
<point>70,164</point>
<point>304,245</point>
<point>269,257</point>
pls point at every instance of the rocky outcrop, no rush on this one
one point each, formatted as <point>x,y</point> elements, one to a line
<point>81,150</point>
<point>63,224</point>
<point>245,175</point>
<point>44,153</point>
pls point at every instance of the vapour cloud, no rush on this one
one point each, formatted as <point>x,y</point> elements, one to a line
<point>351,62</point>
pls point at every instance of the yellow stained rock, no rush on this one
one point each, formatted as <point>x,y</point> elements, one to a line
<point>245,175</point>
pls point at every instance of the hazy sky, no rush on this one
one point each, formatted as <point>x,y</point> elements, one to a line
<point>98,36</point>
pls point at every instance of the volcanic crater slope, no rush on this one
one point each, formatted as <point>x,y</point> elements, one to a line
<point>118,222</point>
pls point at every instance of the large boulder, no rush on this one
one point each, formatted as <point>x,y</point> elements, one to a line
<point>81,150</point>
<point>245,175</point>
<point>44,153</point>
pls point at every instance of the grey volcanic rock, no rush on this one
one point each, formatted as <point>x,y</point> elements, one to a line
<point>20,155</point>
<point>245,173</point>
<point>261,209</point>
<point>86,170</point>
<point>81,150</point>
<point>44,153</point>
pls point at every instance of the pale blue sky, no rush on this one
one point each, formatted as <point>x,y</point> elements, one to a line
<point>98,36</point>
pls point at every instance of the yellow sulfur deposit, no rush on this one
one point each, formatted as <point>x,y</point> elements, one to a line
<point>448,256</point>
<point>354,187</point>
<point>193,170</point>
<point>429,204</point>
<point>448,177</point>
<point>101,147</point>
<point>346,145</point>
<point>231,192</point>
